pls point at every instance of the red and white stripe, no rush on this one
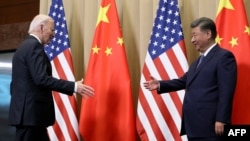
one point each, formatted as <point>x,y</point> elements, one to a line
<point>66,125</point>
<point>159,116</point>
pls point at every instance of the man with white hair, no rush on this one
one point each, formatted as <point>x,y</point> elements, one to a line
<point>32,107</point>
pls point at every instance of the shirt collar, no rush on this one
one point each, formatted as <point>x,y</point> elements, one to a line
<point>36,37</point>
<point>208,50</point>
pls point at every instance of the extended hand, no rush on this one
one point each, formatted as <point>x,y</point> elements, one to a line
<point>84,90</point>
<point>151,84</point>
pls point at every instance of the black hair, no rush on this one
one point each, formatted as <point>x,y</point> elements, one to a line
<point>205,24</point>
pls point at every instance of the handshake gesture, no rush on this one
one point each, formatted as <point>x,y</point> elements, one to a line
<point>84,90</point>
<point>151,84</point>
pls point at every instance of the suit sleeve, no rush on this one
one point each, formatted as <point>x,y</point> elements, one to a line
<point>227,76</point>
<point>172,85</point>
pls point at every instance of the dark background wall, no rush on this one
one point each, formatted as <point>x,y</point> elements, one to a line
<point>15,16</point>
<point>14,11</point>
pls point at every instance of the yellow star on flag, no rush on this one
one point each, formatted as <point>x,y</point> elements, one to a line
<point>218,39</point>
<point>224,4</point>
<point>120,41</point>
<point>234,41</point>
<point>108,51</point>
<point>247,30</point>
<point>102,16</point>
<point>95,50</point>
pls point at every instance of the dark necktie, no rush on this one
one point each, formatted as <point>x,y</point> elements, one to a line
<point>200,60</point>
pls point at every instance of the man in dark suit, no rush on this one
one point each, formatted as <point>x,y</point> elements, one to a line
<point>31,107</point>
<point>209,83</point>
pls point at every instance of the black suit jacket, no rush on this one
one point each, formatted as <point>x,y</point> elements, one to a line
<point>209,92</point>
<point>32,84</point>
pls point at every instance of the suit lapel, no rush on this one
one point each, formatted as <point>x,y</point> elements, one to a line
<point>194,71</point>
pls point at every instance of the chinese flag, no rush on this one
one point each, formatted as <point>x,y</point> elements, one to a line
<point>234,34</point>
<point>109,115</point>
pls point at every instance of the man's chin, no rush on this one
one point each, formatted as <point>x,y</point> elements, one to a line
<point>198,49</point>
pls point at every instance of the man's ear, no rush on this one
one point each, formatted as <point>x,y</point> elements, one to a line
<point>209,34</point>
<point>41,27</point>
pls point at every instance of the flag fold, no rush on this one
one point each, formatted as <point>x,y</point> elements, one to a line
<point>109,115</point>
<point>234,34</point>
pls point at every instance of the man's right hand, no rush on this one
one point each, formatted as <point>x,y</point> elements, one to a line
<point>152,84</point>
<point>84,90</point>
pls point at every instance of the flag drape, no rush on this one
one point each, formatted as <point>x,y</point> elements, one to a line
<point>59,53</point>
<point>109,115</point>
<point>159,116</point>
<point>234,35</point>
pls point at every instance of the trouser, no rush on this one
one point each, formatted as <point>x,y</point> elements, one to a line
<point>218,138</point>
<point>31,133</point>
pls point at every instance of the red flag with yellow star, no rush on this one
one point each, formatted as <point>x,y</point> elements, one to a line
<point>109,115</point>
<point>234,34</point>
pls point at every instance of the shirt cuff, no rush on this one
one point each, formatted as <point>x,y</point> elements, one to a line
<point>159,88</point>
<point>75,89</point>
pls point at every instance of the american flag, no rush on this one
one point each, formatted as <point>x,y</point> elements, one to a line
<point>159,116</point>
<point>58,51</point>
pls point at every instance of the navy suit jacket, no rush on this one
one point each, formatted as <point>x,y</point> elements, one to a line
<point>209,92</point>
<point>31,86</point>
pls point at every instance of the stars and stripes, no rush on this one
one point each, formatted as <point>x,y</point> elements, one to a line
<point>159,116</point>
<point>167,30</point>
<point>58,51</point>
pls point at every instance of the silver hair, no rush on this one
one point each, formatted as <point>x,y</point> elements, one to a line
<point>37,20</point>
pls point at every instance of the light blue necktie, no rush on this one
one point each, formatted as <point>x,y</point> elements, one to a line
<point>200,60</point>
